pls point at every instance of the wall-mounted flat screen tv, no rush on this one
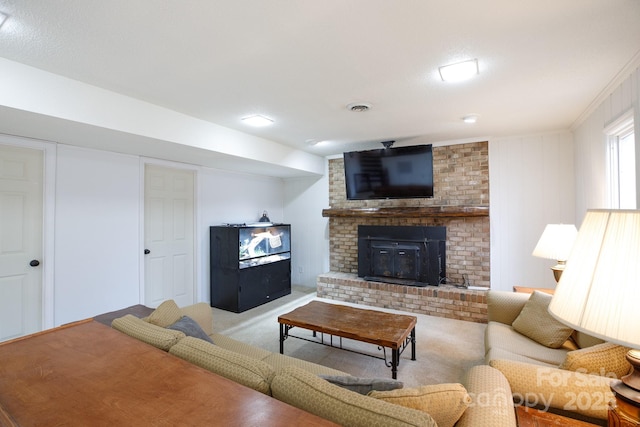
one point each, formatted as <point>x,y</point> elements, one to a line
<point>389,173</point>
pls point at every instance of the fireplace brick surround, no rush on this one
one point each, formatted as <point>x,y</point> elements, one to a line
<point>460,203</point>
<point>440,301</point>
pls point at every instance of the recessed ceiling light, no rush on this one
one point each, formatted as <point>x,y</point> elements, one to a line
<point>3,17</point>
<point>257,121</point>
<point>459,71</point>
<point>470,118</point>
<point>316,142</point>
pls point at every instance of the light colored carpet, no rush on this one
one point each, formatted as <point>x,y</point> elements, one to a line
<point>445,348</point>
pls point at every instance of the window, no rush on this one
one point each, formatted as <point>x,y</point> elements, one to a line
<point>622,163</point>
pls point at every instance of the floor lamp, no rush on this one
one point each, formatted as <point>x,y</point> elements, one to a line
<point>599,294</point>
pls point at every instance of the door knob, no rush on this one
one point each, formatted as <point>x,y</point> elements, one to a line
<point>34,263</point>
<point>147,251</point>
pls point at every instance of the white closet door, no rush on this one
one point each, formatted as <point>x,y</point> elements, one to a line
<point>21,217</point>
<point>169,235</point>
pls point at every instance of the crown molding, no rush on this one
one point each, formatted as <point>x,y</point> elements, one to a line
<point>620,77</point>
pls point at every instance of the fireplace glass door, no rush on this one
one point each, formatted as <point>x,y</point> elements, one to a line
<point>398,261</point>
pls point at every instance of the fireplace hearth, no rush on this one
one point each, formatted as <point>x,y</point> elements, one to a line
<point>406,255</point>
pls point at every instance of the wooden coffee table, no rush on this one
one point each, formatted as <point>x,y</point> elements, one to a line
<point>386,330</point>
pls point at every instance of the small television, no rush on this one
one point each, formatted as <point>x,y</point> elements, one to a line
<point>389,173</point>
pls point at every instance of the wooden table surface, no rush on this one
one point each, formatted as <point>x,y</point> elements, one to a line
<point>87,374</point>
<point>375,327</point>
<point>530,417</point>
<point>527,290</point>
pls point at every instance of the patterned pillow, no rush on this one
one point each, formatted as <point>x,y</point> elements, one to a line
<point>363,385</point>
<point>535,322</point>
<point>444,402</point>
<point>190,328</point>
<point>166,314</point>
<point>607,360</point>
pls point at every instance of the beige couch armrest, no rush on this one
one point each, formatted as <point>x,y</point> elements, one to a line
<point>504,307</point>
<point>310,393</point>
<point>157,336</point>
<point>492,404</point>
<point>557,388</point>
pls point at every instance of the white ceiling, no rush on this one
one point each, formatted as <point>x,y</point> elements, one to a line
<point>542,63</point>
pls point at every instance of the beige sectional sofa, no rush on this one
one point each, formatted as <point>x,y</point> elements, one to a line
<point>484,398</point>
<point>547,364</point>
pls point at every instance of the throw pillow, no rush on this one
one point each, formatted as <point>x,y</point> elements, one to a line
<point>190,328</point>
<point>362,385</point>
<point>535,322</point>
<point>166,314</point>
<point>607,360</point>
<point>444,402</point>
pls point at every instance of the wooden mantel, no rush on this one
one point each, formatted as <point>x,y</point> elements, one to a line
<point>408,212</point>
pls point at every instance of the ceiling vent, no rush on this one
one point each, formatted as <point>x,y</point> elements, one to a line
<point>359,107</point>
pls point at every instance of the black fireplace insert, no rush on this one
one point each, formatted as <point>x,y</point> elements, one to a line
<point>408,255</point>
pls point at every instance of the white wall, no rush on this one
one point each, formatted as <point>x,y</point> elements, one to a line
<point>97,226</point>
<point>531,185</point>
<point>535,179</point>
<point>230,198</point>
<point>96,233</point>
<point>304,200</point>
<point>590,143</point>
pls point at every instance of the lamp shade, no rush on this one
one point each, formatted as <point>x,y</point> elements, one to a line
<point>599,292</point>
<point>556,242</point>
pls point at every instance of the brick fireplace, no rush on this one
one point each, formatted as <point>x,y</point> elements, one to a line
<point>460,203</point>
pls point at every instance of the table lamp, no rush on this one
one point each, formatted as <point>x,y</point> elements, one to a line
<point>556,243</point>
<point>599,292</point>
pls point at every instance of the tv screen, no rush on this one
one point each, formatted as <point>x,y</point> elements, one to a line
<point>389,173</point>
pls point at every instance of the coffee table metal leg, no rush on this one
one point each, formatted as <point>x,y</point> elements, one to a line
<point>413,344</point>
<point>395,355</point>
<point>281,338</point>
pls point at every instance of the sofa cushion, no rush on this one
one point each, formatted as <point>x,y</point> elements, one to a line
<point>501,336</point>
<point>444,402</point>
<point>240,347</point>
<point>317,396</point>
<point>236,367</point>
<point>504,307</point>
<point>605,359</point>
<point>137,328</point>
<point>535,322</point>
<point>362,385</point>
<point>279,362</point>
<point>166,314</point>
<point>190,328</point>
<point>492,404</point>
<point>500,353</point>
